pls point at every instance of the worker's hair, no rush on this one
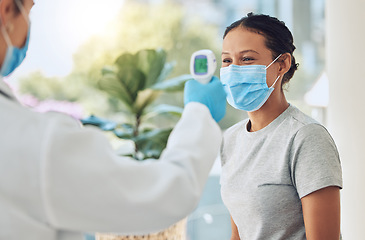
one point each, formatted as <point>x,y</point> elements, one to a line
<point>278,37</point>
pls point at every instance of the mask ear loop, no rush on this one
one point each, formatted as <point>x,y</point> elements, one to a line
<point>273,61</point>
<point>22,10</point>
<point>275,81</point>
<point>6,35</point>
<point>3,30</point>
<point>270,65</point>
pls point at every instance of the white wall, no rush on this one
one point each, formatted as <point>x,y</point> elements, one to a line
<point>346,113</point>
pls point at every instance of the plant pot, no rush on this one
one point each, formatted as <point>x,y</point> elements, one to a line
<point>175,232</point>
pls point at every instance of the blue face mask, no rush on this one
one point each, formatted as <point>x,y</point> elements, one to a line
<point>246,86</point>
<point>14,56</point>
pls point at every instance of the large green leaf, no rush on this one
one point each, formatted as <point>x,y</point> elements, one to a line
<point>172,85</point>
<point>151,63</point>
<point>126,59</point>
<point>103,124</point>
<point>125,131</point>
<point>129,75</point>
<point>165,71</point>
<point>109,70</point>
<point>152,142</point>
<point>132,79</point>
<point>111,84</point>
<point>164,109</point>
<point>145,98</point>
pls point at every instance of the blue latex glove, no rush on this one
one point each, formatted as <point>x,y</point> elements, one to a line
<point>212,95</point>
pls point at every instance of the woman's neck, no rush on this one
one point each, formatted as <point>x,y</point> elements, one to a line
<point>273,107</point>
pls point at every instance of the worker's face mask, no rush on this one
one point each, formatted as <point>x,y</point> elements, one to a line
<point>14,55</point>
<point>246,86</point>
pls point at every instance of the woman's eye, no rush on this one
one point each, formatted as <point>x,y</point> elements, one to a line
<point>226,60</point>
<point>246,59</point>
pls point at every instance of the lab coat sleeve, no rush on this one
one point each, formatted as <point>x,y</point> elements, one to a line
<point>88,188</point>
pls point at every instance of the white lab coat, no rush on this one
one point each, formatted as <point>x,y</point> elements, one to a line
<point>59,179</point>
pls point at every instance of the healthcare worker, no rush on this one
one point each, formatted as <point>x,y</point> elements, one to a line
<point>58,179</point>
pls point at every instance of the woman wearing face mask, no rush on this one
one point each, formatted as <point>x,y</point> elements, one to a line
<point>58,179</point>
<point>281,172</point>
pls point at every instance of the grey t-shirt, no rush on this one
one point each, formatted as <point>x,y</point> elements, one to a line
<point>266,173</point>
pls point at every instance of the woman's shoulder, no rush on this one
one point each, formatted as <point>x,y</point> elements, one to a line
<point>313,132</point>
<point>299,121</point>
<point>304,126</point>
<point>300,117</point>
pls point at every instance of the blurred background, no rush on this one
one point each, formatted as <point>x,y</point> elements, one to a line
<point>71,41</point>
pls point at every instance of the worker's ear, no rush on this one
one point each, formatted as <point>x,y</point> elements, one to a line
<point>7,12</point>
<point>284,63</point>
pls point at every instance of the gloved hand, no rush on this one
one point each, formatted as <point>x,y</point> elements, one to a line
<point>212,95</point>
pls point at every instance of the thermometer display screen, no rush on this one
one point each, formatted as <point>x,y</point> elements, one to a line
<point>201,65</point>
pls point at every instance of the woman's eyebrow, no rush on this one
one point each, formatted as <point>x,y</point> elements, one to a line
<point>250,50</point>
<point>242,52</point>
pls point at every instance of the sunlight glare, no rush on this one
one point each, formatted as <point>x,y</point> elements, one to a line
<point>91,17</point>
<point>59,28</point>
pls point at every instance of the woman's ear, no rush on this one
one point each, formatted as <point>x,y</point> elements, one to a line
<point>284,63</point>
<point>7,9</point>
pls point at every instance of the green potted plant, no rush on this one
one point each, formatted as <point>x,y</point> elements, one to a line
<point>136,81</point>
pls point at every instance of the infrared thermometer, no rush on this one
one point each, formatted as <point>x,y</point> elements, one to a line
<point>203,65</point>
